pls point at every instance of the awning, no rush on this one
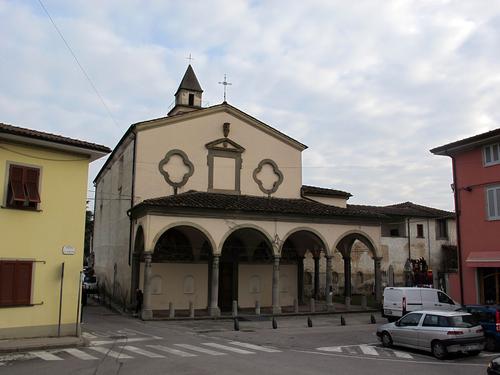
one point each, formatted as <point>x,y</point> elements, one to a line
<point>483,259</point>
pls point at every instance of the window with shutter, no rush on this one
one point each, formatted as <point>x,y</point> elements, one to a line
<point>16,184</point>
<point>15,283</point>
<point>23,188</point>
<point>31,184</point>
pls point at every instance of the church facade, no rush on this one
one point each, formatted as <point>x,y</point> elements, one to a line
<point>206,206</point>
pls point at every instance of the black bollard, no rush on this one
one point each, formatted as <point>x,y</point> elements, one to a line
<point>309,322</point>
<point>342,320</point>
<point>236,324</point>
<point>275,323</point>
<point>372,319</point>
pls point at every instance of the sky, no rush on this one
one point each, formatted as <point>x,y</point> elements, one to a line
<point>369,86</point>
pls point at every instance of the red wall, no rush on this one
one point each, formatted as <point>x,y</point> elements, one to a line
<point>476,231</point>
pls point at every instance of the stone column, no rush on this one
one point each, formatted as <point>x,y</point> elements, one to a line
<point>378,279</point>
<point>316,277</point>
<point>276,286</point>
<point>147,312</point>
<point>347,276</point>
<point>329,282</point>
<point>214,310</point>
<point>300,280</point>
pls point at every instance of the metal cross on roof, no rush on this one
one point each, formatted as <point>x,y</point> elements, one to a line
<point>189,58</point>
<point>225,83</point>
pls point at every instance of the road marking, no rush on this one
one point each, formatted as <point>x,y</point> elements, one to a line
<point>399,354</point>
<point>120,341</point>
<point>198,349</point>
<point>88,335</point>
<point>228,348</point>
<point>370,350</point>
<point>46,356</point>
<point>140,333</point>
<point>79,354</point>
<point>178,352</point>
<point>110,353</point>
<point>254,347</point>
<point>439,363</point>
<point>337,349</point>
<point>143,352</point>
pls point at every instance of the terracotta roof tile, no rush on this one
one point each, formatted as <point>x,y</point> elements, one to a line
<point>16,130</point>
<point>314,190</point>
<point>253,204</point>
<point>407,209</point>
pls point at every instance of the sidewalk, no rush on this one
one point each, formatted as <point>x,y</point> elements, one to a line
<point>40,343</point>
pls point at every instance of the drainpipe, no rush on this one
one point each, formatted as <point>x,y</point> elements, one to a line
<point>408,234</point>
<point>459,242</point>
<point>131,228</point>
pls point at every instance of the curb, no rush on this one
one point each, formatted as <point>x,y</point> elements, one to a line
<point>26,346</point>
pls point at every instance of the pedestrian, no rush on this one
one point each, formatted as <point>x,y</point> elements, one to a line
<point>138,298</point>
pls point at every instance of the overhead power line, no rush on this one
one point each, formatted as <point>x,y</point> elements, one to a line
<point>78,63</point>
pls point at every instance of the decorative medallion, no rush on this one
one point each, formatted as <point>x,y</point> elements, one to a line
<point>277,173</point>
<point>185,160</point>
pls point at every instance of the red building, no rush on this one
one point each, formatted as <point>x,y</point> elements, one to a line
<point>476,182</point>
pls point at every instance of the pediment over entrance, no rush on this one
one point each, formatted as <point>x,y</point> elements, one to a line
<point>225,144</point>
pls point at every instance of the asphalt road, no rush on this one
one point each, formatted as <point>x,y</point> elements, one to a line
<point>123,345</point>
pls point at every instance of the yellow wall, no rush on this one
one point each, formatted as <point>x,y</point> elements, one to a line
<point>40,236</point>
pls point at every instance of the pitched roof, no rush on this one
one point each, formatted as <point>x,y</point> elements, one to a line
<point>475,140</point>
<point>35,134</point>
<point>314,190</point>
<point>407,209</point>
<point>251,204</point>
<point>161,121</point>
<point>189,81</point>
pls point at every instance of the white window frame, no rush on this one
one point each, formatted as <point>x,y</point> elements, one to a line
<point>496,203</point>
<point>490,148</point>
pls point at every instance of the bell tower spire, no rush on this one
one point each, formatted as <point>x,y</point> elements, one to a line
<point>188,95</point>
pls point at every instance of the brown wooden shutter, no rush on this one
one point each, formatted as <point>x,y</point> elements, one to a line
<point>7,272</point>
<point>22,283</point>
<point>16,183</point>
<point>32,176</point>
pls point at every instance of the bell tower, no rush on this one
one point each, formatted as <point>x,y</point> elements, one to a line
<point>188,95</point>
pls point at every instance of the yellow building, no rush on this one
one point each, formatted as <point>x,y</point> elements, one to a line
<point>43,186</point>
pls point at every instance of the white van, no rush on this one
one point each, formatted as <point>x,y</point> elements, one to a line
<point>399,301</point>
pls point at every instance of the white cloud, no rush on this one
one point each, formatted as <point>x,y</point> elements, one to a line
<point>368,86</point>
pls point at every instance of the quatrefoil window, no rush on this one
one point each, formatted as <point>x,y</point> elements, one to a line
<point>168,163</point>
<point>268,176</point>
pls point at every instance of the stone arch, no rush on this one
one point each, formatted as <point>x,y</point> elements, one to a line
<point>306,229</point>
<point>184,224</point>
<point>344,245</point>
<point>360,236</point>
<point>245,226</point>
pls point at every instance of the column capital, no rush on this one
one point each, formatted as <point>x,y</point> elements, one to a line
<point>148,256</point>
<point>378,259</point>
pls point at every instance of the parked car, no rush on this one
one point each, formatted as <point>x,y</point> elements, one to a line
<point>489,318</point>
<point>399,301</point>
<point>440,332</point>
<point>90,284</point>
<point>494,366</point>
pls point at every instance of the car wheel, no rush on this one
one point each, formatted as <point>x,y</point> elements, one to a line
<point>386,339</point>
<point>439,350</point>
<point>491,344</point>
<point>474,352</point>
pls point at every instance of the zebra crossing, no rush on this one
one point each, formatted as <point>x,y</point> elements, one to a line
<point>366,350</point>
<point>124,350</point>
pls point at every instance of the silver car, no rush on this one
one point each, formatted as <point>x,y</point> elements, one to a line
<point>440,332</point>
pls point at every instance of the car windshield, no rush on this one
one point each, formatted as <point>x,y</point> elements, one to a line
<point>463,321</point>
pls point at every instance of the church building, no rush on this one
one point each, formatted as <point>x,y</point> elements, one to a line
<point>206,206</point>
